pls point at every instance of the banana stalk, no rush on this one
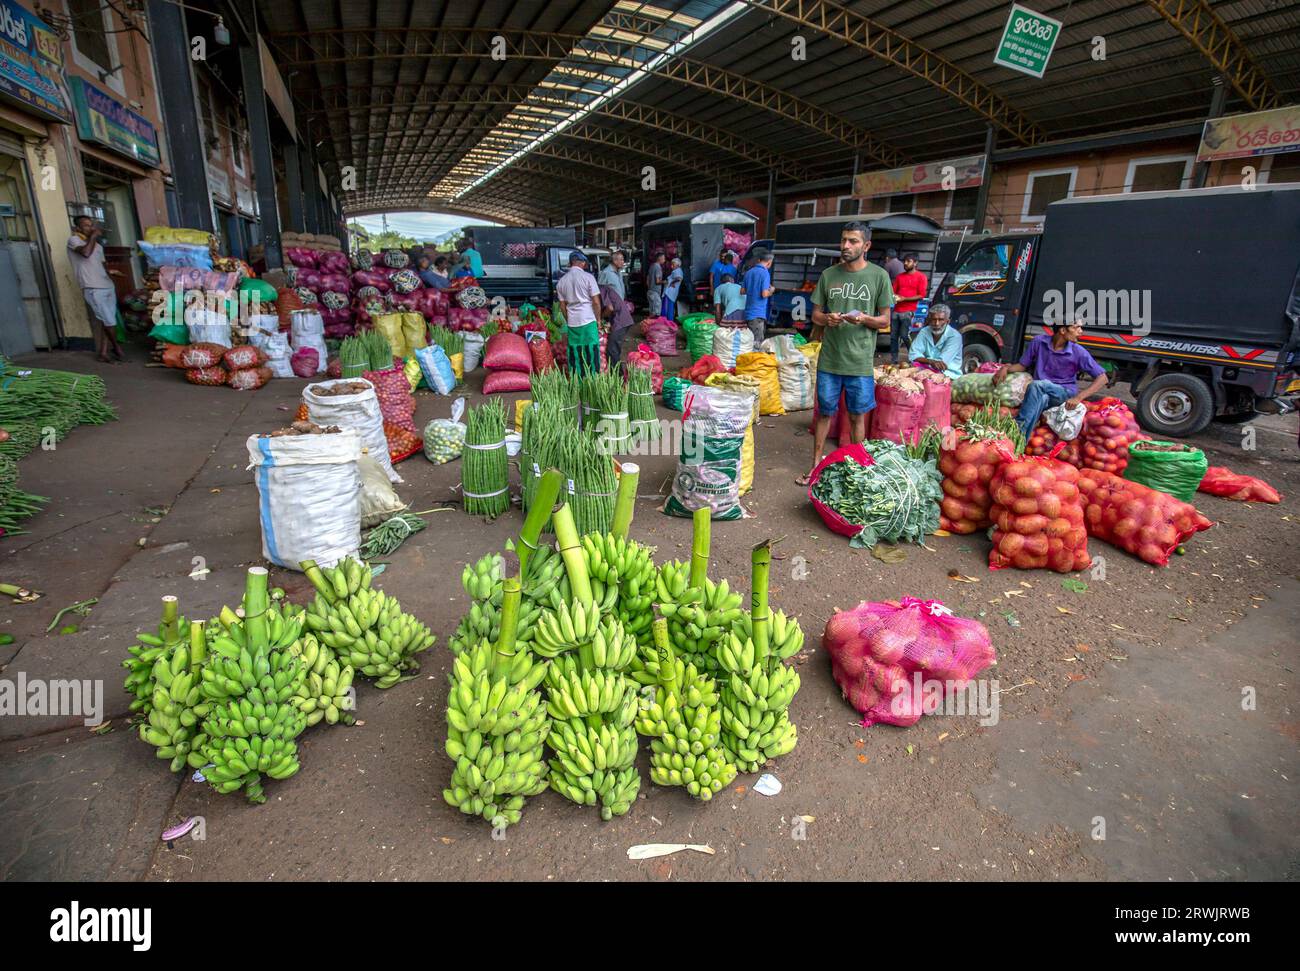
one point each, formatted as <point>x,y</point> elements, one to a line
<point>548,490</point>
<point>625,502</point>
<point>761,565</point>
<point>256,598</point>
<point>575,561</point>
<point>701,539</point>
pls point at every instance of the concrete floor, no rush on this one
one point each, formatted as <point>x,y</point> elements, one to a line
<point>1121,707</point>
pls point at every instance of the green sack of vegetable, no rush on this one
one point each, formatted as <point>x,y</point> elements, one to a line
<point>171,333</point>
<point>1168,466</point>
<point>699,336</point>
<point>674,392</point>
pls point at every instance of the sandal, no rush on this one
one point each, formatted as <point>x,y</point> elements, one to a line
<point>804,480</point>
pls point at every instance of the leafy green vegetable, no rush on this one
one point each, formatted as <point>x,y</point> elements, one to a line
<point>895,499</point>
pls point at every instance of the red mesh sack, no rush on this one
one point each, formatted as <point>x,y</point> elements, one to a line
<point>201,355</point>
<point>506,382</point>
<point>402,442</point>
<point>1140,520</point>
<point>301,257</point>
<point>703,367</point>
<point>171,356</point>
<point>543,356</point>
<point>841,429</point>
<point>305,362</point>
<point>938,402</point>
<point>661,335</point>
<point>1043,440</point>
<point>833,520</point>
<point>286,302</point>
<point>242,357</point>
<point>968,468</point>
<point>1108,430</point>
<point>459,318</point>
<point>302,413</point>
<point>211,376</point>
<point>334,369</point>
<point>249,379</point>
<point>1038,516</point>
<point>1220,481</point>
<point>507,352</point>
<point>645,357</point>
<point>372,278</point>
<point>393,390</point>
<point>893,661</point>
<point>897,414</point>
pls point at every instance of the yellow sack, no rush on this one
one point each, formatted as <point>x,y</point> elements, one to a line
<point>747,450</point>
<point>412,371</point>
<point>390,325</point>
<point>415,330</point>
<point>743,383</point>
<point>763,367</point>
<point>520,407</point>
<point>165,234</point>
<point>458,366</point>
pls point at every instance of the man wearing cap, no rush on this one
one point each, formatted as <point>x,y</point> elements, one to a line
<point>579,298</point>
<point>757,286</point>
<point>723,264</point>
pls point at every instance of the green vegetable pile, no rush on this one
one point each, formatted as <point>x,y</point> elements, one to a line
<point>485,482</point>
<point>895,499</point>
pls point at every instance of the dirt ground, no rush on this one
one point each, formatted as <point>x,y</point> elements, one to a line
<point>1121,707</point>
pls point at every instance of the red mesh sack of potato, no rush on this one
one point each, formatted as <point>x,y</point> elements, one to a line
<point>880,652</point>
<point>968,468</point>
<point>507,352</point>
<point>402,442</point>
<point>1038,516</point>
<point>201,355</point>
<point>211,376</point>
<point>897,415</point>
<point>249,379</point>
<point>506,382</point>
<point>1043,440</point>
<point>393,390</point>
<point>1140,520</point>
<point>242,357</point>
<point>172,355</point>
<point>646,357</point>
<point>1218,481</point>
<point>1108,430</point>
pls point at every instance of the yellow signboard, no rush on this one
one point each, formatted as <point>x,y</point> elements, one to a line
<point>1258,133</point>
<point>943,176</point>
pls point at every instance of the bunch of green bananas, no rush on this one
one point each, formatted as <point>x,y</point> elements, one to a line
<point>756,698</point>
<point>594,705</point>
<point>565,626</point>
<point>697,619</point>
<point>785,636</point>
<point>251,725</point>
<point>483,622</point>
<point>176,705</point>
<point>496,727</point>
<point>683,722</point>
<point>629,566</point>
<point>140,680</point>
<point>483,582</point>
<point>325,692</point>
<point>366,628</point>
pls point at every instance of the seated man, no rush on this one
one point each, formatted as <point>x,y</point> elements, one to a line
<point>938,345</point>
<point>1055,359</point>
<point>729,301</point>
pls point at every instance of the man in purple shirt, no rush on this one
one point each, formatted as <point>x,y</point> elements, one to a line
<point>1055,359</point>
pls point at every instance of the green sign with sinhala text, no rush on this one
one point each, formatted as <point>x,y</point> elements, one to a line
<point>1027,41</point>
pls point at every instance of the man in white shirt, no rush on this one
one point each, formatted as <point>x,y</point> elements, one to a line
<point>86,253</point>
<point>579,298</point>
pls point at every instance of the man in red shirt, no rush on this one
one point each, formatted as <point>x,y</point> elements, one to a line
<point>909,286</point>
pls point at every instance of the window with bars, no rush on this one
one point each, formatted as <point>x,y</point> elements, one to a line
<point>962,204</point>
<point>88,32</point>
<point>1045,188</point>
<point>806,209</point>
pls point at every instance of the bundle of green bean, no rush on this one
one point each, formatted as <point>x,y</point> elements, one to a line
<point>604,399</point>
<point>50,406</point>
<point>23,437</point>
<point>541,432</point>
<point>390,534</point>
<point>586,463</point>
<point>378,350</point>
<point>354,356</point>
<point>15,505</point>
<point>449,340</point>
<point>485,473</point>
<point>83,393</point>
<point>641,405</point>
<point>563,390</point>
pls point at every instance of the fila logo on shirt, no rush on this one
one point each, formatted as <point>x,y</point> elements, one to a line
<point>850,291</point>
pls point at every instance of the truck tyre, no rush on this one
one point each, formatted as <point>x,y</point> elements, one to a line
<point>1177,405</point>
<point>975,354</point>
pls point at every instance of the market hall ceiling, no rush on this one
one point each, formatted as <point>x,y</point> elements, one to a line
<point>522,111</point>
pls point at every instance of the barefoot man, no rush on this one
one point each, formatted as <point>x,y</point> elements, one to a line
<point>851,305</point>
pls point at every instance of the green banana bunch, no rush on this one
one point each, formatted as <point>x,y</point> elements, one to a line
<point>628,566</point>
<point>683,722</point>
<point>365,628</point>
<point>176,704</point>
<point>483,622</point>
<point>756,698</point>
<point>324,693</point>
<point>785,635</point>
<point>139,666</point>
<point>251,724</point>
<point>482,580</point>
<point>565,626</point>
<point>697,619</point>
<point>496,727</point>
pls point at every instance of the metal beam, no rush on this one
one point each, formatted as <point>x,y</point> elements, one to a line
<point>186,154</point>
<point>888,45</point>
<point>259,132</point>
<point>1221,47</point>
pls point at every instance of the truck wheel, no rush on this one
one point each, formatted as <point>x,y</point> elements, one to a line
<point>973,355</point>
<point>1178,405</point>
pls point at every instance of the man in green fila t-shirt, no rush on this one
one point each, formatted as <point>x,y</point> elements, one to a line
<point>851,305</point>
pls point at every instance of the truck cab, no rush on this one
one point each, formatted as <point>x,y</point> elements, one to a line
<point>986,291</point>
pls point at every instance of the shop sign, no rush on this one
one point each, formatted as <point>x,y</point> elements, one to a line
<point>622,220</point>
<point>219,184</point>
<point>942,176</point>
<point>31,64</point>
<point>688,208</point>
<point>1258,133</point>
<point>104,120</point>
<point>1027,41</point>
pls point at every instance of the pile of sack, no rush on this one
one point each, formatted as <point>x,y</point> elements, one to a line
<point>710,464</point>
<point>242,368</point>
<point>509,363</point>
<point>317,272</point>
<point>796,372</point>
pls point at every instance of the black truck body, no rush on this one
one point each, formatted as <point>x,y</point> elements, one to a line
<point>515,261</point>
<point>698,236</point>
<point>1191,296</point>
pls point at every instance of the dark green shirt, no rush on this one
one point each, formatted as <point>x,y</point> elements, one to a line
<point>850,348</point>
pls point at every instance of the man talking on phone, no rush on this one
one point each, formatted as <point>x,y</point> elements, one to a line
<point>851,305</point>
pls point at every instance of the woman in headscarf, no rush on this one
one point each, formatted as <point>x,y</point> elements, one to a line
<point>672,286</point>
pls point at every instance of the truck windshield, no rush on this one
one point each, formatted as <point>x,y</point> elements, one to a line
<point>983,268</point>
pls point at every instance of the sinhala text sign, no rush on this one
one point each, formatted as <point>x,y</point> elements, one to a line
<point>1027,41</point>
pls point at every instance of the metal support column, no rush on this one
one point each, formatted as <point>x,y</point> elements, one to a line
<point>293,186</point>
<point>982,199</point>
<point>1202,172</point>
<point>771,203</point>
<point>180,116</point>
<point>259,129</point>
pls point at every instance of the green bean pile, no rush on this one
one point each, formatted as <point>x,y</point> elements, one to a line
<point>604,398</point>
<point>15,505</point>
<point>485,473</point>
<point>588,466</point>
<point>641,405</point>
